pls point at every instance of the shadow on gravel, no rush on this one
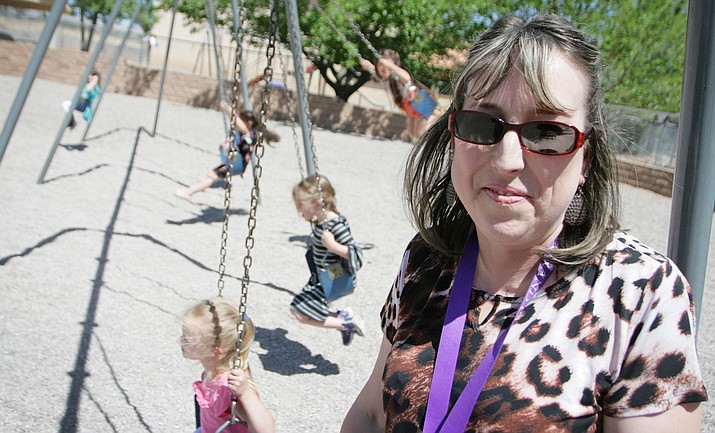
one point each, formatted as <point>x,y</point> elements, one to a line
<point>287,357</point>
<point>81,173</point>
<point>207,216</point>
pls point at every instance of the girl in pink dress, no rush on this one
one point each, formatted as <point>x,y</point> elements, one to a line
<point>209,336</point>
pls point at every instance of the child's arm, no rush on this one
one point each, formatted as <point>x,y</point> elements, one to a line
<point>93,80</point>
<point>240,124</point>
<point>250,407</point>
<point>328,240</point>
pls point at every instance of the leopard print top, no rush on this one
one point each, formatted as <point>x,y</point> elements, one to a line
<point>613,338</point>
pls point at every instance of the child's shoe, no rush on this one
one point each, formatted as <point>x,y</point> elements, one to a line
<point>351,326</point>
<point>182,194</point>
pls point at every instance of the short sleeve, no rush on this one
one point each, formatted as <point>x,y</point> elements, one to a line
<point>213,397</point>
<point>389,313</point>
<point>659,369</point>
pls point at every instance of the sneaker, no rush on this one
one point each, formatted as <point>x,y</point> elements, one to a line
<point>181,194</point>
<point>72,123</point>
<point>351,326</point>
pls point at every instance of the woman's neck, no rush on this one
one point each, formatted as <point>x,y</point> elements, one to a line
<point>505,271</point>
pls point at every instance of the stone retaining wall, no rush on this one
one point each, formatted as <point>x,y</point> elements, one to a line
<point>66,66</point>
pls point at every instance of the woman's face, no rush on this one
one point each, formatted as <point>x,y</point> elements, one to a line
<point>516,197</point>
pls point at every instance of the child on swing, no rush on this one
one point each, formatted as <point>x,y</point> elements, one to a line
<point>246,136</point>
<point>209,336</point>
<point>330,242</point>
<point>410,96</point>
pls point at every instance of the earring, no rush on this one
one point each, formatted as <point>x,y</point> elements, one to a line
<point>576,211</point>
<point>450,192</point>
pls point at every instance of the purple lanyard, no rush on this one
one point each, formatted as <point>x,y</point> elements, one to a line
<point>437,419</point>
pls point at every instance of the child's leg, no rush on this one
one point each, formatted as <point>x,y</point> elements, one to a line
<point>210,178</point>
<point>331,322</point>
<point>416,126</point>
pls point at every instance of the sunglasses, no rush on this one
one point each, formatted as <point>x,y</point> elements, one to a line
<point>541,137</point>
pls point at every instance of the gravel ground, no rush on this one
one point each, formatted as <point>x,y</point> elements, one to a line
<point>98,262</point>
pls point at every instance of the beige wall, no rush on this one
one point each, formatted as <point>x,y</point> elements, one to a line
<point>66,66</point>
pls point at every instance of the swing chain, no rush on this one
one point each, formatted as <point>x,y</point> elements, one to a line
<point>291,117</point>
<point>355,27</point>
<point>257,171</point>
<point>350,45</point>
<point>231,152</point>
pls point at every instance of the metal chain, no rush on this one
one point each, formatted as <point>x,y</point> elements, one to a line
<point>257,171</point>
<point>357,30</point>
<point>291,117</point>
<point>350,45</point>
<point>231,154</point>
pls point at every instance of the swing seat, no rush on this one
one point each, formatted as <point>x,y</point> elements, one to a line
<point>423,103</point>
<point>238,166</point>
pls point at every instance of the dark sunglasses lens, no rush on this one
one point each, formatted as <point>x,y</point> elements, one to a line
<point>548,138</point>
<point>477,128</point>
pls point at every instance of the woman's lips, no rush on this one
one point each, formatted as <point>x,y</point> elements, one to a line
<point>505,195</point>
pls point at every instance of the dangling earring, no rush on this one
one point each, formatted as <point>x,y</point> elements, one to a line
<point>451,193</point>
<point>576,211</point>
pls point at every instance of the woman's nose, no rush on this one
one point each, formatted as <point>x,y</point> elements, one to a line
<point>508,155</point>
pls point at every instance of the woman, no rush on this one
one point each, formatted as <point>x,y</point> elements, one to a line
<point>558,322</point>
<point>410,96</point>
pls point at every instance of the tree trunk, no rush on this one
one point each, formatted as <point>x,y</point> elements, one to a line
<point>82,44</point>
<point>345,82</point>
<point>91,33</point>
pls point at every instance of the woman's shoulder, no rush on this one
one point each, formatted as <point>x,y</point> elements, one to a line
<point>625,250</point>
<point>425,265</point>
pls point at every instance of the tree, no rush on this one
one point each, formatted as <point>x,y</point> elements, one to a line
<point>643,41</point>
<point>426,27</point>
<point>94,10</point>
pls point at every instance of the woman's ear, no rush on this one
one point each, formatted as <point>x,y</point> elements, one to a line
<point>586,162</point>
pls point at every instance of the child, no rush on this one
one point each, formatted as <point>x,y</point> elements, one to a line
<point>84,105</point>
<point>246,124</point>
<point>330,242</point>
<point>209,336</point>
<point>410,96</point>
<point>246,134</point>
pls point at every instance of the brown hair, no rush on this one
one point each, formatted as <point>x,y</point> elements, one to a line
<point>513,41</point>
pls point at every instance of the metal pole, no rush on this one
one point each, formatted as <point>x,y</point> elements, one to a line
<point>30,73</point>
<point>87,70</point>
<point>163,69</point>
<point>108,78</point>
<point>219,68</point>
<point>303,110</point>
<point>239,40</point>
<point>694,185</point>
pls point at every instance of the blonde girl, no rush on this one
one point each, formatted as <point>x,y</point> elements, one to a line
<point>330,242</point>
<point>209,336</point>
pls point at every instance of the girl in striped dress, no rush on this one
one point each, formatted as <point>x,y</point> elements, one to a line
<point>330,242</point>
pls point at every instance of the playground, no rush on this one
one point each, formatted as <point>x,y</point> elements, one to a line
<point>98,262</point>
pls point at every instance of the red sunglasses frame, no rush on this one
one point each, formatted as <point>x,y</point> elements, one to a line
<point>579,139</point>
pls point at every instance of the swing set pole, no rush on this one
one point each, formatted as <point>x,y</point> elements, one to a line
<point>238,24</point>
<point>30,73</point>
<point>303,110</point>
<point>78,93</point>
<point>108,77</point>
